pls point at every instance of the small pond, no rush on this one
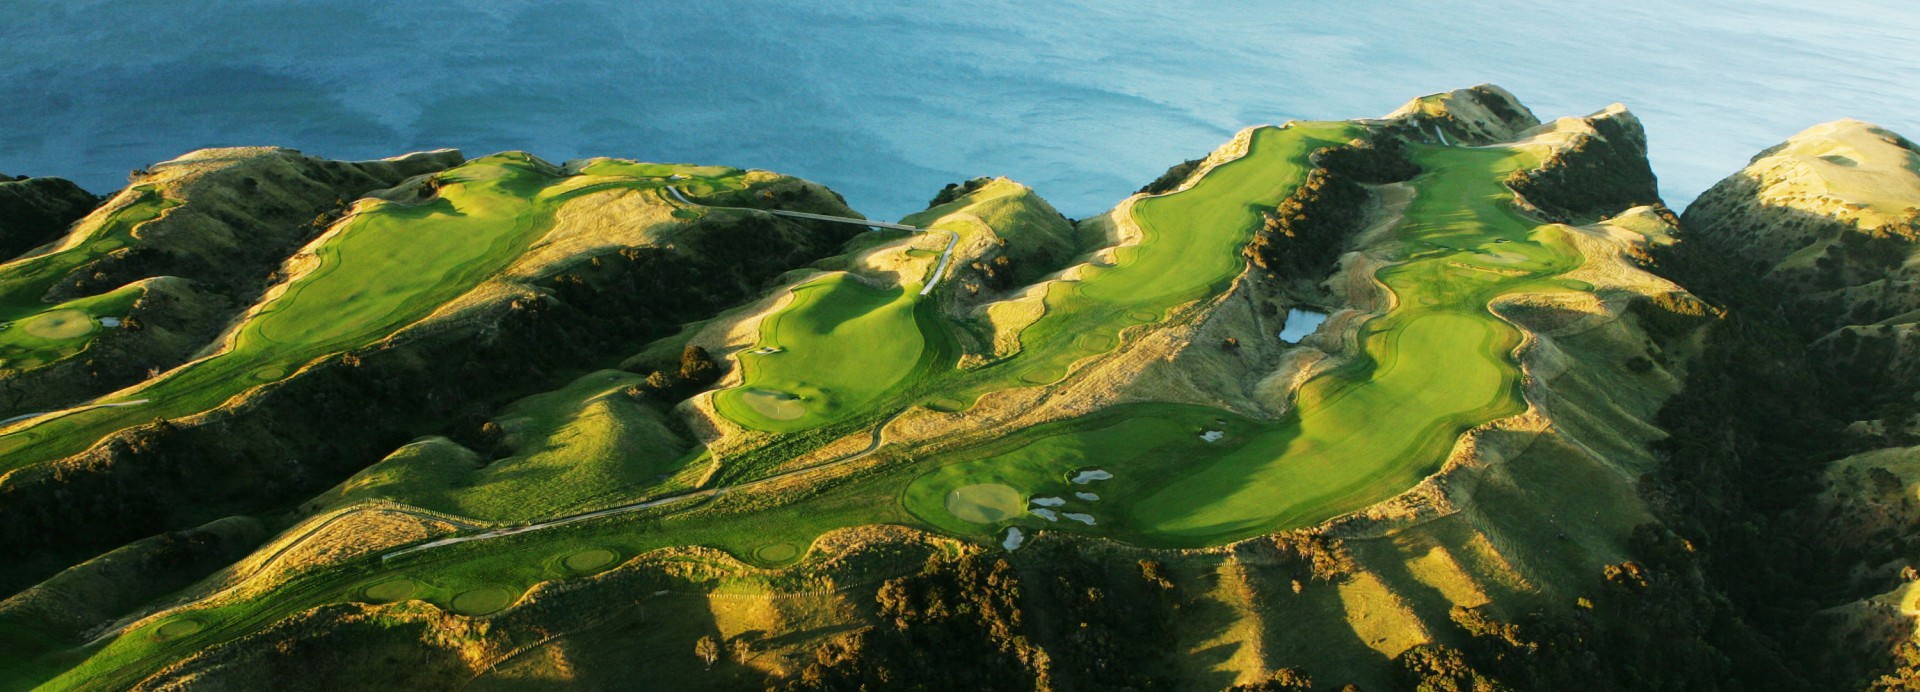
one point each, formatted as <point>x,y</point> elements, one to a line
<point>1300,323</point>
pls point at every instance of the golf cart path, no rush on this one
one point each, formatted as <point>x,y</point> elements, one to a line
<point>938,272</point>
<point>873,444</point>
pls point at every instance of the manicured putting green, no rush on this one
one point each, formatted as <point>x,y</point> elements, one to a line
<point>177,628</point>
<point>60,324</point>
<point>777,552</point>
<point>773,404</point>
<point>589,560</point>
<point>486,599</point>
<point>838,346</point>
<point>391,590</point>
<point>986,503</point>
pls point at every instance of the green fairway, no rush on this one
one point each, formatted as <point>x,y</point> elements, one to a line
<point>1189,250</point>
<point>840,345</point>
<point>386,266</point>
<point>1438,363</point>
<point>37,333</point>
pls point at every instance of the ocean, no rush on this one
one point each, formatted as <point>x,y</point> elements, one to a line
<point>886,102</point>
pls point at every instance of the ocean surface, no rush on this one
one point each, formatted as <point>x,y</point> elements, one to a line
<point>886,102</point>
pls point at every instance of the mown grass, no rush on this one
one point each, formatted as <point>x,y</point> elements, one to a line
<point>387,266</point>
<point>34,340</point>
<point>1190,250</point>
<point>843,344</point>
<point>1438,363</point>
<point>24,282</point>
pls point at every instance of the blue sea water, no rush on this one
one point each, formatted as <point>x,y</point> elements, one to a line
<point>885,102</point>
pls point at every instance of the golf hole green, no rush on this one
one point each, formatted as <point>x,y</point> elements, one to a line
<point>986,503</point>
<point>60,324</point>
<point>178,628</point>
<point>1095,342</point>
<point>773,404</point>
<point>777,552</point>
<point>481,601</point>
<point>391,590</point>
<point>589,560</point>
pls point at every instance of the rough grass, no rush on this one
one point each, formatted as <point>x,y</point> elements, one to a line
<point>579,448</point>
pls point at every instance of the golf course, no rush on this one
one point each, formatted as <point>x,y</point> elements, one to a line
<point>782,400</point>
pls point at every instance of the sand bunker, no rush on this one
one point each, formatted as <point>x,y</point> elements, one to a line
<point>985,503</point>
<point>1049,501</point>
<point>1014,538</point>
<point>1082,518</point>
<point>1045,513</point>
<point>773,404</point>
<point>60,324</point>
<point>1213,435</point>
<point>1090,497</point>
<point>1089,476</point>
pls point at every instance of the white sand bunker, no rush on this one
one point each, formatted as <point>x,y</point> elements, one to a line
<point>1014,538</point>
<point>1090,475</point>
<point>1045,513</point>
<point>1082,518</point>
<point>985,503</point>
<point>1213,435</point>
<point>773,404</point>
<point>1090,497</point>
<point>1048,501</point>
<point>109,321</point>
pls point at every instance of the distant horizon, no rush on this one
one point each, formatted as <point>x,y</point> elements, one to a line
<point>1084,104</point>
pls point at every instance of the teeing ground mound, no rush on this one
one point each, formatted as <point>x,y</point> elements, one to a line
<point>986,503</point>
<point>481,601</point>
<point>178,628</point>
<point>776,552</point>
<point>589,560</point>
<point>60,324</point>
<point>773,404</point>
<point>269,374</point>
<point>391,590</point>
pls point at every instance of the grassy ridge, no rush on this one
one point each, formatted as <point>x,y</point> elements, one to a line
<point>388,266</point>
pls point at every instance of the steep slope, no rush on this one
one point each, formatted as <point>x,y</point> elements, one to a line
<point>35,211</point>
<point>1822,227</point>
<point>1832,217</point>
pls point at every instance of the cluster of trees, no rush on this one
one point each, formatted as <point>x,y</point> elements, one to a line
<point>695,372</point>
<point>1303,235</point>
<point>979,622</point>
<point>1595,178</point>
<point>1375,161</point>
<point>1309,229</point>
<point>996,274</point>
<point>1172,178</point>
<point>954,191</point>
